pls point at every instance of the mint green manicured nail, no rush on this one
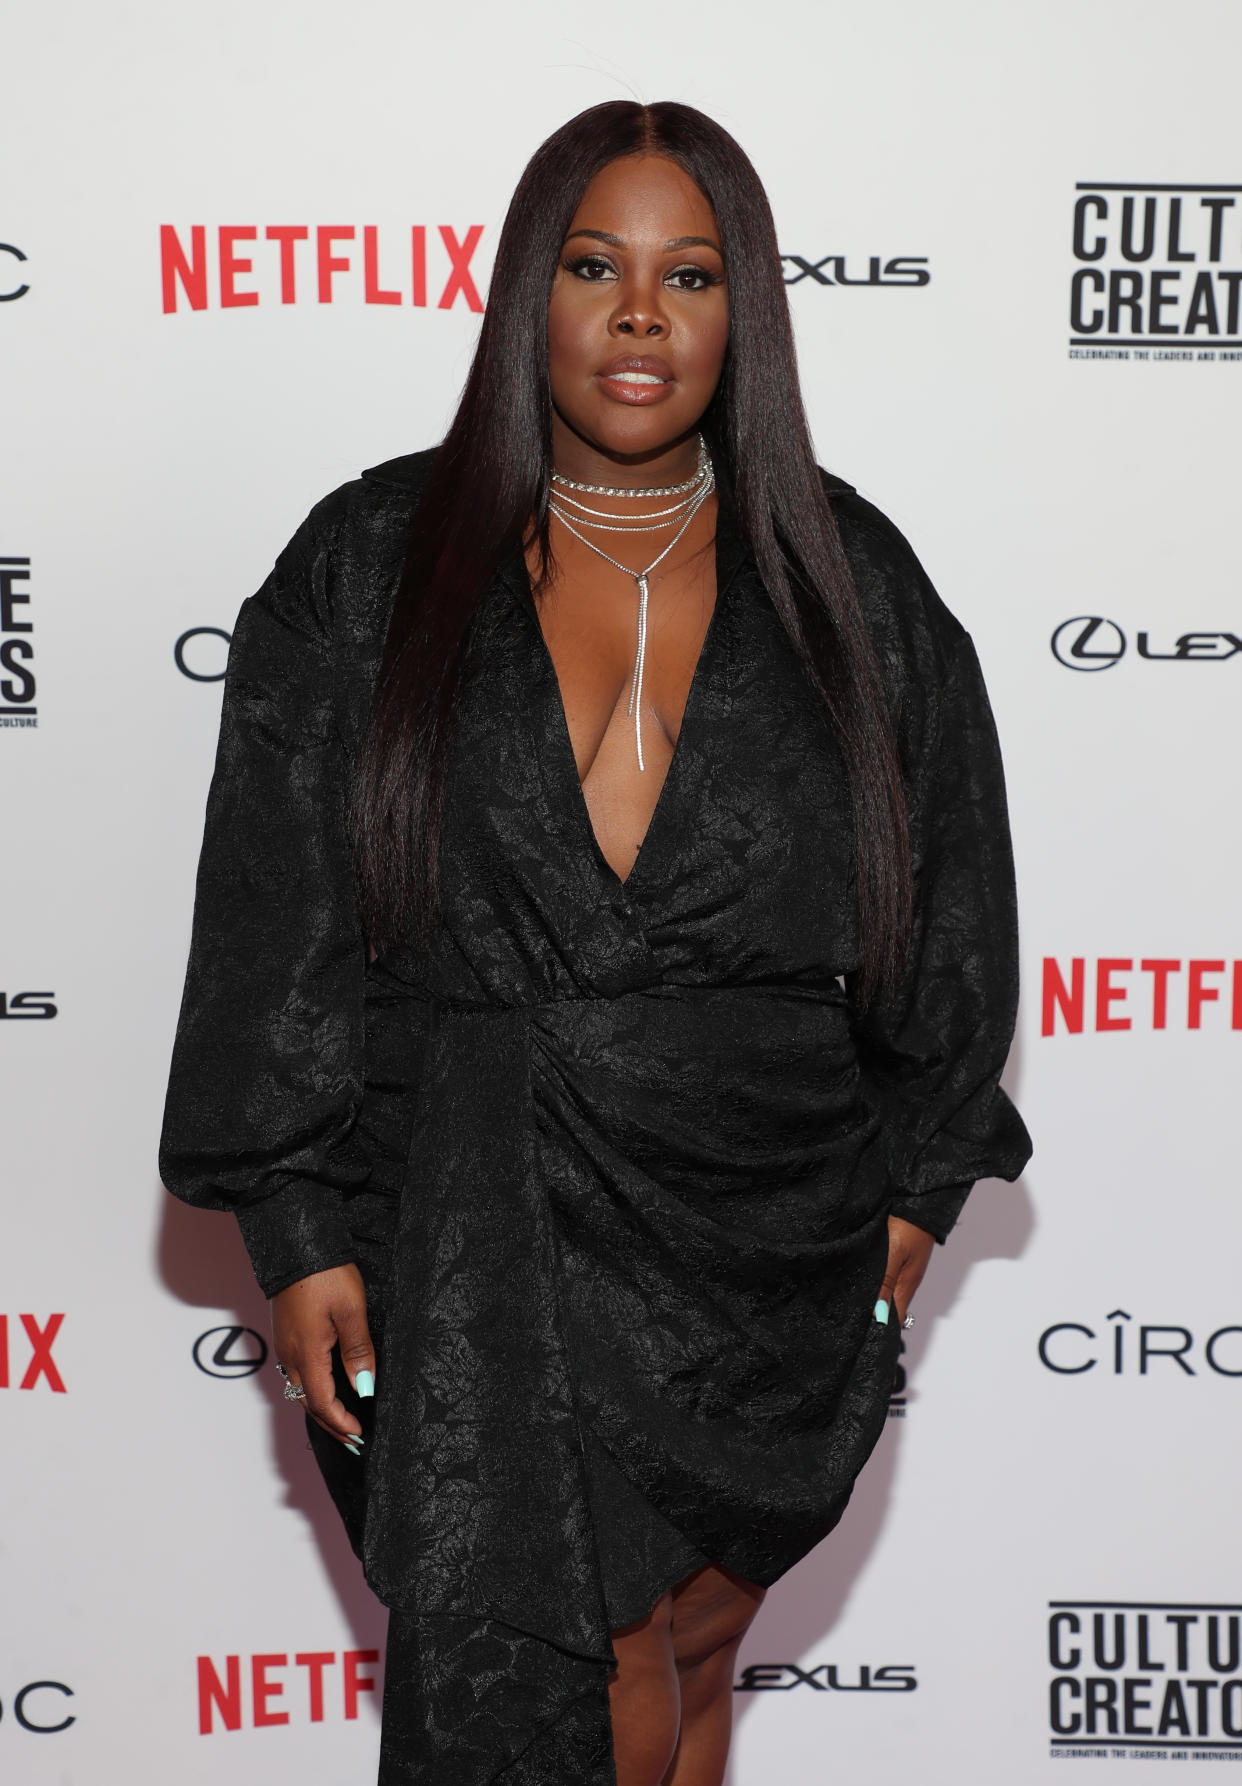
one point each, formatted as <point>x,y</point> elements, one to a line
<point>354,1449</point>
<point>355,1439</point>
<point>364,1383</point>
<point>881,1312</point>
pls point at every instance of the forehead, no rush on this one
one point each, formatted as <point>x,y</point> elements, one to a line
<point>645,198</point>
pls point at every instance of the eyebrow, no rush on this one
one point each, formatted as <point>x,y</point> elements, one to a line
<point>606,236</point>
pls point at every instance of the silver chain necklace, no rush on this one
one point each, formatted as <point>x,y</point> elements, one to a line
<point>640,577</point>
<point>608,521</point>
<point>639,490</point>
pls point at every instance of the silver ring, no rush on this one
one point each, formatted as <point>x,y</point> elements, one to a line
<point>280,1367</point>
<point>294,1392</point>
<point>909,1321</point>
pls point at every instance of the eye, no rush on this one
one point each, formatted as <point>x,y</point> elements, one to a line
<point>691,278</point>
<point>591,267</point>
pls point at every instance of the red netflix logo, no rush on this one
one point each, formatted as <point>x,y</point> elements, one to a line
<point>223,1696</point>
<point>299,260</point>
<point>1156,992</point>
<point>40,1366</point>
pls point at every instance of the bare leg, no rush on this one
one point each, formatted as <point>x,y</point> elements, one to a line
<point>644,1698</point>
<point>711,1613</point>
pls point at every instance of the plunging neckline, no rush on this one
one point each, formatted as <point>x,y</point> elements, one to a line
<point>562,755</point>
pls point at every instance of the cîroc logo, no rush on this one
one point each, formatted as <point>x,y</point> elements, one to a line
<point>33,1710</point>
<point>14,285</point>
<point>1071,1348</point>
<point>1090,642</point>
<point>230,1352</point>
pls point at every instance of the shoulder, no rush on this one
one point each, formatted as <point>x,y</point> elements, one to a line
<point>927,658</point>
<point>908,618</point>
<point>337,573</point>
<point>382,494</point>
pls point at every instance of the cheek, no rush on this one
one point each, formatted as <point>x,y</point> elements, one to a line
<point>706,349</point>
<point>569,337</point>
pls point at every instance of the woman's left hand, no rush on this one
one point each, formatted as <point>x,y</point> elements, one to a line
<point>909,1249</point>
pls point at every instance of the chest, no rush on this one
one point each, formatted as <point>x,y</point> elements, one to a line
<point>745,866</point>
<point>589,614</point>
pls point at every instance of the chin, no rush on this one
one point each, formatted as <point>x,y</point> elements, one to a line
<point>636,433</point>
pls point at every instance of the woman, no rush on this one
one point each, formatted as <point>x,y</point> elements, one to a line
<point>603,966</point>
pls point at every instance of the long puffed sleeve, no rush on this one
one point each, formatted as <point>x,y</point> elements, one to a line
<point>267,1069</point>
<point>932,1054</point>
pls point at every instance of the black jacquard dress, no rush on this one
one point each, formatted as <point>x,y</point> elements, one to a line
<point>614,1157</point>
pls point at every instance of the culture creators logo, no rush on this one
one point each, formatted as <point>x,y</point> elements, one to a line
<point>1153,1676</point>
<point>1157,273</point>
<point>898,1401</point>
<point>17,677</point>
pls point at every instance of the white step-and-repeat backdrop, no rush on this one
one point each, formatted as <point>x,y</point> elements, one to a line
<point>243,252</point>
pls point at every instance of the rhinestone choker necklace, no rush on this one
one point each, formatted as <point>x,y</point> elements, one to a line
<point>642,489</point>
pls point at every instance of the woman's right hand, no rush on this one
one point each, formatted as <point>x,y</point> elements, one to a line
<point>310,1317</point>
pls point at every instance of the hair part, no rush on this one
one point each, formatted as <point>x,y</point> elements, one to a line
<point>487,497</point>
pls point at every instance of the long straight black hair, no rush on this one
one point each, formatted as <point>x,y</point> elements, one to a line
<point>487,496</point>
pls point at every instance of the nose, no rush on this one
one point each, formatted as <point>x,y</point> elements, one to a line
<point>640,311</point>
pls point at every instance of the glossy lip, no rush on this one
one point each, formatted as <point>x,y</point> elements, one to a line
<point>637,393</point>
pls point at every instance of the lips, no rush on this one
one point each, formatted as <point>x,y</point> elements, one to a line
<point>636,378</point>
<point>638,369</point>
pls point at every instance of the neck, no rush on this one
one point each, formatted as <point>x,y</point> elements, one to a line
<point>587,462</point>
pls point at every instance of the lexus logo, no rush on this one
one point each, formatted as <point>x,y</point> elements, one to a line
<point>27,1005</point>
<point>902,269</point>
<point>1088,642</point>
<point>230,1352</point>
<point>208,661</point>
<point>825,1677</point>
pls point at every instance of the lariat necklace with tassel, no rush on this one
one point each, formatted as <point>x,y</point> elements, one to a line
<point>693,493</point>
